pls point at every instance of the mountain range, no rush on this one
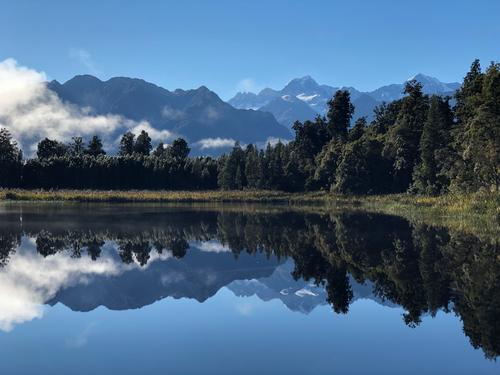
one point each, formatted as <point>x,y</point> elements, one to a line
<point>303,98</point>
<point>196,115</point>
<point>210,125</point>
<point>200,275</point>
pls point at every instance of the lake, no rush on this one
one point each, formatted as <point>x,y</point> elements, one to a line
<point>242,289</point>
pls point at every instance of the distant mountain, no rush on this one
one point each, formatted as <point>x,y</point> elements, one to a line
<point>199,275</point>
<point>287,109</point>
<point>297,295</point>
<point>287,104</point>
<point>193,114</point>
<point>430,85</point>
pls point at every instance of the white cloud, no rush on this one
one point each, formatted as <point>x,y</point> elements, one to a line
<point>29,280</point>
<point>272,141</point>
<point>305,293</point>
<point>85,58</point>
<point>32,112</point>
<point>172,113</point>
<point>155,134</point>
<point>211,114</point>
<point>306,98</point>
<point>212,247</point>
<point>248,85</point>
<point>209,143</point>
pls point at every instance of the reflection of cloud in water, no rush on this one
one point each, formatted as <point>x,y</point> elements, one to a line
<point>29,280</point>
<point>81,339</point>
<point>211,247</point>
<point>245,308</point>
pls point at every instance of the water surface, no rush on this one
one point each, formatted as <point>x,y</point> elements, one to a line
<point>242,289</point>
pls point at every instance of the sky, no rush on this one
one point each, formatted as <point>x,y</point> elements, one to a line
<point>236,45</point>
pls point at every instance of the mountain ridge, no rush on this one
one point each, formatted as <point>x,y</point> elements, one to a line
<point>316,96</point>
<point>195,114</point>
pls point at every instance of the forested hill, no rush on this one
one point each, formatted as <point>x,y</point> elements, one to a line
<point>418,144</point>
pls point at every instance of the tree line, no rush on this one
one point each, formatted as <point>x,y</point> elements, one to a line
<point>420,144</point>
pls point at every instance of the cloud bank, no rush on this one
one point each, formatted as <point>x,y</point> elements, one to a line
<point>32,112</point>
<point>211,143</point>
<point>29,280</point>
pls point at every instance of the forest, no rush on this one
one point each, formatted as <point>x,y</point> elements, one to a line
<point>421,144</point>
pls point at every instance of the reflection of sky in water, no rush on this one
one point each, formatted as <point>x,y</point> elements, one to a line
<point>29,280</point>
<point>234,335</point>
<point>245,327</point>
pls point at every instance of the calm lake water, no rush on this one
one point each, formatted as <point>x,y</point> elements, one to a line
<point>89,289</point>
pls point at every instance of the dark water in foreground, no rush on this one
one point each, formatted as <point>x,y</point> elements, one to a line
<point>242,290</point>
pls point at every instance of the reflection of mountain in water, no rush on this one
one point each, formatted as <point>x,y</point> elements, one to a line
<point>127,257</point>
<point>197,275</point>
<point>297,295</point>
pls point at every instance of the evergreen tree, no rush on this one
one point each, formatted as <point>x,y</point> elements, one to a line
<point>142,144</point>
<point>385,116</point>
<point>357,130</point>
<point>179,150</point>
<point>340,111</point>
<point>404,137</point>
<point>127,144</point>
<point>327,162</point>
<point>435,136</point>
<point>48,148</point>
<point>480,147</point>
<point>252,167</point>
<point>94,147</point>
<point>160,150</point>
<point>76,147</point>
<point>231,175</point>
<point>361,169</point>
<point>10,160</point>
<point>294,179</point>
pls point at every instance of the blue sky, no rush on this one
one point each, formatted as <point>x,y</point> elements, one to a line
<point>229,45</point>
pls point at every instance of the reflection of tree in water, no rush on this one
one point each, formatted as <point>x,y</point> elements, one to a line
<point>423,269</point>
<point>9,242</point>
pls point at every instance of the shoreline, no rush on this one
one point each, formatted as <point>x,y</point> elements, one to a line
<point>477,213</point>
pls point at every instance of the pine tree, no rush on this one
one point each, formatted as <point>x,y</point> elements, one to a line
<point>252,167</point>
<point>127,144</point>
<point>476,136</point>
<point>179,150</point>
<point>159,151</point>
<point>94,147</point>
<point>76,147</point>
<point>340,111</point>
<point>142,144</point>
<point>435,136</point>
<point>231,174</point>
<point>481,144</point>
<point>48,148</point>
<point>10,160</point>
<point>404,137</point>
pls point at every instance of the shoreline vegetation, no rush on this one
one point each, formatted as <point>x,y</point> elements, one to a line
<point>477,213</point>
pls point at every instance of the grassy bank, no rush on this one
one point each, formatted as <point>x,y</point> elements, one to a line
<point>478,212</point>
